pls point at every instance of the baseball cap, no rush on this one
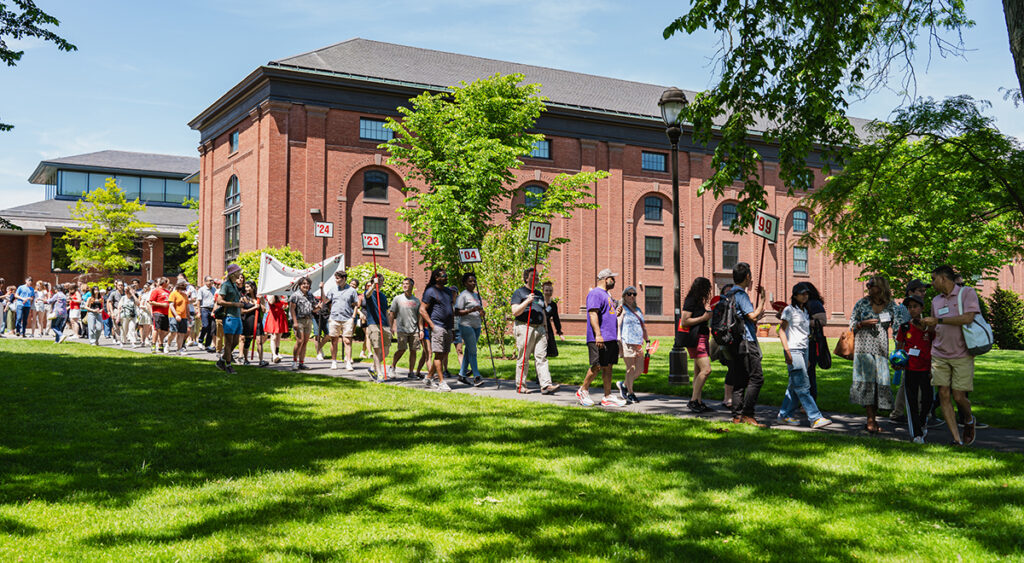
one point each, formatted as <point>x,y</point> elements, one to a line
<point>916,284</point>
<point>915,299</point>
<point>606,273</point>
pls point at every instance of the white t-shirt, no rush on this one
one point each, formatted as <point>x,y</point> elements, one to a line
<point>799,328</point>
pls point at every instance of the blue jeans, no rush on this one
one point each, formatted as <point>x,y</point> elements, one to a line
<point>469,337</point>
<point>799,390</point>
<point>58,327</point>
<point>108,326</point>
<point>21,321</point>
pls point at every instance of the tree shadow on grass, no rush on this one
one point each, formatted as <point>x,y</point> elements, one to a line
<point>105,430</point>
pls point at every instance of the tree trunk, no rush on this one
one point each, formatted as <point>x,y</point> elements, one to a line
<point>1014,12</point>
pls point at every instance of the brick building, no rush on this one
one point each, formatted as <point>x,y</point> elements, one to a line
<point>295,141</point>
<point>160,181</point>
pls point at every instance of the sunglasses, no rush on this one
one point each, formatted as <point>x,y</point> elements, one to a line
<point>629,294</point>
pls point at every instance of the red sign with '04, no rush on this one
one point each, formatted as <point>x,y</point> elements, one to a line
<point>323,230</point>
<point>373,241</point>
<point>469,255</point>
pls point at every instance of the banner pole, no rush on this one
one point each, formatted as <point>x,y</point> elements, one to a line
<point>380,326</point>
<point>526,339</point>
<point>760,270</point>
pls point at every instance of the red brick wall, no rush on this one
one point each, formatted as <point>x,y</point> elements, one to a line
<point>292,158</point>
<point>12,259</point>
<point>30,255</point>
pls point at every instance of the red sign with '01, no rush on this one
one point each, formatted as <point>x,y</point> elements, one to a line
<point>323,230</point>
<point>373,241</point>
<point>469,255</point>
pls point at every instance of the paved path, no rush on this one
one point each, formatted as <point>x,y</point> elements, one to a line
<point>999,439</point>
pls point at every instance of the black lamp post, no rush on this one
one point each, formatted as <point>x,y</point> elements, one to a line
<point>672,103</point>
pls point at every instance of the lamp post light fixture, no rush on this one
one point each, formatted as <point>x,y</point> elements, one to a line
<point>151,240</point>
<point>672,103</point>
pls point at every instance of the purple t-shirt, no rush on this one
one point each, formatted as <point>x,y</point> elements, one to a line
<point>599,300</point>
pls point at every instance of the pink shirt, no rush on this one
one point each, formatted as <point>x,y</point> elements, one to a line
<point>949,339</point>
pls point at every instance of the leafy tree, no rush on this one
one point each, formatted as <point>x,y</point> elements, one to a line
<point>5,224</point>
<point>1006,314</point>
<point>464,146</point>
<point>23,19</point>
<point>190,240</point>
<point>506,252</point>
<point>940,184</point>
<point>793,66</point>
<point>250,261</point>
<point>105,244</point>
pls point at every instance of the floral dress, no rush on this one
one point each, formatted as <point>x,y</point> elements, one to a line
<point>871,383</point>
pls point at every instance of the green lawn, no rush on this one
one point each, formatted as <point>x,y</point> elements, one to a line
<point>110,455</point>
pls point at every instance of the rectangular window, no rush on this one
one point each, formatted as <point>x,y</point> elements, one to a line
<point>233,141</point>
<point>730,254</point>
<point>654,161</point>
<point>59,259</point>
<point>177,191</point>
<point>652,300</point>
<point>652,251</point>
<point>75,184</point>
<point>130,186</point>
<point>152,189</point>
<point>377,225</point>
<point>799,259</point>
<point>193,191</point>
<point>652,208</point>
<point>98,181</point>
<point>541,149</point>
<point>231,241</point>
<point>373,130</point>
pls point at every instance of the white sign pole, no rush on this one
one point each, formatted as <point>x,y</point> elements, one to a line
<point>766,226</point>
<point>472,256</point>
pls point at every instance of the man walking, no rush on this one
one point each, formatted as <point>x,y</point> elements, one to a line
<point>229,296</point>
<point>23,299</point>
<point>404,315</point>
<point>112,326</point>
<point>342,299</point>
<point>748,377</point>
<point>376,329</point>
<point>439,316</point>
<point>530,330</point>
<point>602,340</point>
<point>952,366</point>
<point>207,299</point>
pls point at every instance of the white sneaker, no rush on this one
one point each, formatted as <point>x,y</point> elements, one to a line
<point>919,440</point>
<point>443,387</point>
<point>583,397</point>
<point>320,356</point>
<point>181,351</point>
<point>295,366</point>
<point>348,366</point>
<point>612,401</point>
<point>334,365</point>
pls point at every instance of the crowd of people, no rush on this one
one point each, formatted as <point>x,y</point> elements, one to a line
<point>171,315</point>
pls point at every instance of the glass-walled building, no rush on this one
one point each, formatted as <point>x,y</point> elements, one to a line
<point>150,178</point>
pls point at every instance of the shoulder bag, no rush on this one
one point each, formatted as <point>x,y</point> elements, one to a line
<point>977,334</point>
<point>844,347</point>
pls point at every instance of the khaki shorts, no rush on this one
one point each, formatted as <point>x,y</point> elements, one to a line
<point>335,329</point>
<point>441,340</point>
<point>408,340</point>
<point>632,351</point>
<point>955,373</point>
<point>303,326</point>
<point>373,335</point>
<point>348,328</point>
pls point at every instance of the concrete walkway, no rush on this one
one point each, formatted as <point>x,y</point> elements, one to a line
<point>999,439</point>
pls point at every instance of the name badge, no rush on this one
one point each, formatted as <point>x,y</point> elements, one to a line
<point>944,311</point>
<point>914,352</point>
<point>884,317</point>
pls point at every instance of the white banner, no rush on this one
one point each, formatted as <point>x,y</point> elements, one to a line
<point>277,279</point>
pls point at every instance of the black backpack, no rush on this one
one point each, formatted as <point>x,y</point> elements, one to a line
<point>726,324</point>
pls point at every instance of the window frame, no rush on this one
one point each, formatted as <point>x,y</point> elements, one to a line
<point>387,184</point>
<point>649,292</point>
<point>233,142</point>
<point>232,222</point>
<point>232,197</point>
<point>648,257</point>
<point>664,161</point>
<point>648,207</point>
<point>527,200</point>
<point>389,134</point>
<point>384,233</point>
<point>731,244</point>
<point>806,260</point>
<point>805,217</point>
<point>546,143</point>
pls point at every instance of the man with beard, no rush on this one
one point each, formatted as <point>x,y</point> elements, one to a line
<point>602,340</point>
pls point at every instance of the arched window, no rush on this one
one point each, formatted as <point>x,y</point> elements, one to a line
<point>534,195</point>
<point>652,208</point>
<point>375,185</point>
<point>799,221</point>
<point>728,214</point>
<point>232,195</point>
<point>232,218</point>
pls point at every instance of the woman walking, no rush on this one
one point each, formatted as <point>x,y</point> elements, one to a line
<point>58,303</point>
<point>554,321</point>
<point>632,336</point>
<point>144,315</point>
<point>694,320</point>
<point>276,324</point>
<point>127,311</point>
<point>469,312</point>
<point>816,310</point>
<point>74,311</point>
<point>252,324</point>
<point>795,332</point>
<point>94,320</point>
<point>39,309</point>
<point>870,322</point>
<point>302,305</point>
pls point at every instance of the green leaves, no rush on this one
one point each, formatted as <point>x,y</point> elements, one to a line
<point>788,68</point>
<point>939,185</point>
<point>104,245</point>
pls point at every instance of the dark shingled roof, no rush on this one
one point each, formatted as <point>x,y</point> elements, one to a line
<point>55,214</point>
<point>438,69</point>
<point>155,164</point>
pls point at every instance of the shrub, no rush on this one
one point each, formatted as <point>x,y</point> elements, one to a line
<point>1006,315</point>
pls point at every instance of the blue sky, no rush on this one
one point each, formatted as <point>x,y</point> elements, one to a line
<point>144,69</point>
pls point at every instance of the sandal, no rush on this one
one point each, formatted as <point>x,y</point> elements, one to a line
<point>872,428</point>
